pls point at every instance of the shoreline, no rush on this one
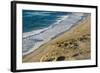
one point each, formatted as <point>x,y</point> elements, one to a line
<point>42,49</point>
<point>51,32</point>
<point>76,24</point>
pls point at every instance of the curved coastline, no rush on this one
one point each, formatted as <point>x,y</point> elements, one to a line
<point>49,34</point>
<point>50,49</point>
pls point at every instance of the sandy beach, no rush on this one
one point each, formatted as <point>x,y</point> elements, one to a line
<point>71,45</point>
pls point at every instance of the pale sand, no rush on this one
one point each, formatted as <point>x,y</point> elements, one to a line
<point>77,48</point>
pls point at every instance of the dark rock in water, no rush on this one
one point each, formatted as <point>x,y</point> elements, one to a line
<point>60,58</point>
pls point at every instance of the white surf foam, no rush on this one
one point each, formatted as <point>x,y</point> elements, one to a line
<point>34,41</point>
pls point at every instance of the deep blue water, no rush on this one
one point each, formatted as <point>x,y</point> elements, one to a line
<point>34,20</point>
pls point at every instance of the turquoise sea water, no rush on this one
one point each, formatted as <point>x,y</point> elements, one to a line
<point>34,20</point>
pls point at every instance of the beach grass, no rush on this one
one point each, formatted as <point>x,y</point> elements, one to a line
<point>71,45</point>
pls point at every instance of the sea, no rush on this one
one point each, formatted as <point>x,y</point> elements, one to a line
<point>34,20</point>
<point>40,27</point>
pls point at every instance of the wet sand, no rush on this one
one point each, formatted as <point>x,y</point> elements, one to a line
<point>71,45</point>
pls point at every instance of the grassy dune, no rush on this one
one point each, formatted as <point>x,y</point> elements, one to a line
<point>71,45</point>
